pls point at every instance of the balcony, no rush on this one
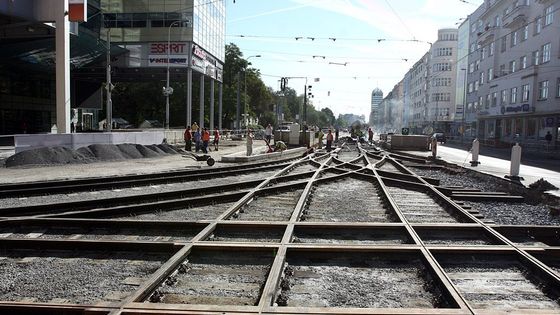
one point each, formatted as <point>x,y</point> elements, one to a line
<point>517,17</point>
<point>488,35</point>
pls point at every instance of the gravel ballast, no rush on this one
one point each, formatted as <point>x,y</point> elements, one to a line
<point>70,277</point>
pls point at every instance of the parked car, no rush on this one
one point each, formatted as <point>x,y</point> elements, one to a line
<point>440,137</point>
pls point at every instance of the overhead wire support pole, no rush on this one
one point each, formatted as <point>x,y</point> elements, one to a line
<point>109,85</point>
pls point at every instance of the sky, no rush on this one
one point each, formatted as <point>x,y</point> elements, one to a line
<point>352,46</point>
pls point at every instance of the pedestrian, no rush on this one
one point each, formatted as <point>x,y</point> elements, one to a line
<point>188,139</point>
<point>370,135</point>
<point>205,140</point>
<point>548,139</point>
<point>329,141</point>
<point>336,134</point>
<point>216,139</point>
<point>268,133</point>
<point>72,127</point>
<point>194,127</point>
<point>320,136</point>
<point>197,136</point>
<point>250,137</point>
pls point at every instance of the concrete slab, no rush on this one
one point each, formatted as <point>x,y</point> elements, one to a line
<point>241,157</point>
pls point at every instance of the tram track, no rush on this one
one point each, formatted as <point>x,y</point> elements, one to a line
<point>325,234</point>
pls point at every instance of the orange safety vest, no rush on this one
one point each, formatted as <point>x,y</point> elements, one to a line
<point>205,136</point>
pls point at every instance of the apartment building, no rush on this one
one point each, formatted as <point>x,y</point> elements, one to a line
<point>513,71</point>
<point>415,89</point>
<point>376,98</point>
<point>441,82</point>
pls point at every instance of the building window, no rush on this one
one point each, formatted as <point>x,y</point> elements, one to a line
<point>476,85</point>
<point>490,74</point>
<point>504,44</point>
<point>525,92</point>
<point>477,65</point>
<point>502,70</point>
<point>536,55</point>
<point>548,15</point>
<point>543,90</point>
<point>482,77</point>
<point>441,67</point>
<point>494,99</point>
<point>546,53</point>
<point>488,101</point>
<point>471,68</point>
<point>483,53</point>
<point>538,25</point>
<point>523,62</point>
<point>525,35</point>
<point>503,99</point>
<point>470,87</point>
<point>514,39</point>
<point>480,102</point>
<point>512,66</point>
<point>513,96</point>
<point>558,87</point>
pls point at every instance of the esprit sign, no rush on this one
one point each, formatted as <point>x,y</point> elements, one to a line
<point>165,48</point>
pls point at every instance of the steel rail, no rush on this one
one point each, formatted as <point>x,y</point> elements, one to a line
<point>97,183</point>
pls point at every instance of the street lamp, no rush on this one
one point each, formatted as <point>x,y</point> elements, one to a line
<point>245,114</point>
<point>167,90</point>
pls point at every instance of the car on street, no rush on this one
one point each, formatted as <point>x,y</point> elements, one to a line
<point>440,137</point>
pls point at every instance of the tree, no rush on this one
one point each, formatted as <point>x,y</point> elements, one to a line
<point>329,115</point>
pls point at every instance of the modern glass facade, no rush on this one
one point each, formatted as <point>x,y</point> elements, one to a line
<point>197,21</point>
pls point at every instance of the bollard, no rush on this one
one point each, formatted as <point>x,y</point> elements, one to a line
<point>515,163</point>
<point>474,152</point>
<point>434,148</point>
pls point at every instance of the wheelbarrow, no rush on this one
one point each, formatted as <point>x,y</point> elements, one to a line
<point>209,160</point>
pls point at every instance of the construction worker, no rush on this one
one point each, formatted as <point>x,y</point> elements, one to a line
<point>188,139</point>
<point>205,140</point>
<point>370,135</point>
<point>197,140</point>
<point>330,139</point>
<point>216,139</point>
<point>268,133</point>
<point>250,137</point>
<point>194,127</point>
<point>320,137</point>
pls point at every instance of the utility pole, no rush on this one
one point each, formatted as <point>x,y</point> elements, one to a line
<point>109,85</point>
<point>238,109</point>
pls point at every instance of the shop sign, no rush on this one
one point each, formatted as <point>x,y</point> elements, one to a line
<point>161,61</point>
<point>515,109</point>
<point>549,122</point>
<point>77,10</point>
<point>199,52</point>
<point>162,48</point>
<point>197,64</point>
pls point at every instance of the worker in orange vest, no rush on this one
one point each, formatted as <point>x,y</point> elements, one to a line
<point>330,139</point>
<point>188,139</point>
<point>205,140</point>
<point>216,139</point>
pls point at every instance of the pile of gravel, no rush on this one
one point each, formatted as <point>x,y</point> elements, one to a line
<point>89,154</point>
